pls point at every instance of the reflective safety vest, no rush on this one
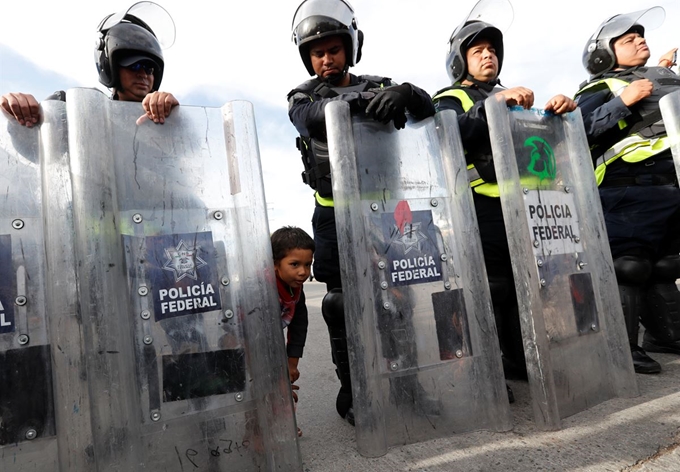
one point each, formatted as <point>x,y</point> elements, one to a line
<point>637,146</point>
<point>476,182</point>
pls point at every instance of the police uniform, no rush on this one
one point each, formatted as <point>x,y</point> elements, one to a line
<point>638,187</point>
<point>468,103</point>
<point>306,105</point>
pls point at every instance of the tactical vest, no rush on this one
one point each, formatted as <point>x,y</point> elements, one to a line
<point>478,184</point>
<point>647,137</point>
<point>315,158</point>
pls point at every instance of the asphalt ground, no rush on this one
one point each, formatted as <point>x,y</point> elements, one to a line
<point>623,434</point>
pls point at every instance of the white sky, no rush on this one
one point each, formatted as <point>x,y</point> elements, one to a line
<point>242,50</point>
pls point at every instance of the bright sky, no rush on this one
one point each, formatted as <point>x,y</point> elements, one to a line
<point>236,50</point>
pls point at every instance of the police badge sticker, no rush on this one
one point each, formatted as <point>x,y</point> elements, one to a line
<point>410,246</point>
<point>6,285</point>
<point>182,272</point>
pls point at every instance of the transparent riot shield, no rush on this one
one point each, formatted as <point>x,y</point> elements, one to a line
<point>574,334</point>
<point>185,357</point>
<point>44,419</point>
<point>670,111</point>
<point>424,356</point>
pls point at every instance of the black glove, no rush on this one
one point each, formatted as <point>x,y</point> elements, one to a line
<point>390,104</point>
<point>358,101</point>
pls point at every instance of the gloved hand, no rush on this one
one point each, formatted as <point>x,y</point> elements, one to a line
<point>358,101</point>
<point>390,104</point>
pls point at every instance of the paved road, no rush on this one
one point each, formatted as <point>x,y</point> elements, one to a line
<point>638,434</point>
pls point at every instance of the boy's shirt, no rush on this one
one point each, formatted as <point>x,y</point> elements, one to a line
<point>294,316</point>
<point>288,298</point>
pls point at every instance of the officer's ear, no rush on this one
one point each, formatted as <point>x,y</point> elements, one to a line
<point>360,38</point>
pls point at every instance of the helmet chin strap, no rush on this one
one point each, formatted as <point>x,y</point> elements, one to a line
<point>486,86</point>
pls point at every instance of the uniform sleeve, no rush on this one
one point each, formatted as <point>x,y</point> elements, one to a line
<point>601,113</point>
<point>306,111</point>
<point>474,130</point>
<point>297,329</point>
<point>420,105</point>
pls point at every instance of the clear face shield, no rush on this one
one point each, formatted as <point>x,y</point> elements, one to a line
<point>153,15</point>
<point>498,13</point>
<point>650,19</point>
<point>338,10</point>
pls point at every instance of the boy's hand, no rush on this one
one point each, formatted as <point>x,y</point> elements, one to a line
<point>295,387</point>
<point>293,371</point>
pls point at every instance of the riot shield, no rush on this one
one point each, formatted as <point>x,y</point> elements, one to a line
<point>45,421</point>
<point>573,329</point>
<point>178,290</point>
<point>670,111</point>
<point>424,357</point>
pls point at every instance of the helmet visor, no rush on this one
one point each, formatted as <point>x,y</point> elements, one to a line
<point>498,13</point>
<point>153,15</point>
<point>338,10</point>
<point>650,19</point>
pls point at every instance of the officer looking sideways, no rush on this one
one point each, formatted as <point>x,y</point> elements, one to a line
<point>129,61</point>
<point>329,42</point>
<point>635,173</point>
<point>473,64</point>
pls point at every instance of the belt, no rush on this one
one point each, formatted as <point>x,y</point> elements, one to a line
<point>645,180</point>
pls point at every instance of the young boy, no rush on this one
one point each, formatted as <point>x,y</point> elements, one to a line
<point>293,250</point>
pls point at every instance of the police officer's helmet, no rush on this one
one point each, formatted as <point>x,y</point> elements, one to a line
<point>461,39</point>
<point>125,38</point>
<point>599,56</point>
<point>316,19</point>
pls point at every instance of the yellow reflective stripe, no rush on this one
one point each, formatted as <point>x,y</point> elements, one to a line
<point>459,94</point>
<point>323,201</point>
<point>632,149</point>
<point>486,189</point>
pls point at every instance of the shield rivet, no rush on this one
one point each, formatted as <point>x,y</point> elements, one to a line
<point>137,218</point>
<point>155,415</point>
<point>143,291</point>
<point>459,353</point>
<point>146,314</point>
<point>374,206</point>
<point>386,305</point>
<point>218,215</point>
<point>239,397</point>
<point>381,265</point>
<point>224,280</point>
<point>394,366</point>
<point>31,434</point>
<point>434,202</point>
<point>17,224</point>
<point>20,300</point>
<point>148,339</point>
<point>23,339</point>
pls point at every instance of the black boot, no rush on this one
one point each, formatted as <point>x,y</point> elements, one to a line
<point>632,305</point>
<point>332,309</point>
<point>651,344</point>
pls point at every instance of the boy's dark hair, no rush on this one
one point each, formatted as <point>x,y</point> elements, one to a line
<point>288,238</point>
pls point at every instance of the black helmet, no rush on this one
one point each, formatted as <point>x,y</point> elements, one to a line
<point>125,36</point>
<point>598,55</point>
<point>316,19</point>
<point>456,62</point>
<point>479,24</point>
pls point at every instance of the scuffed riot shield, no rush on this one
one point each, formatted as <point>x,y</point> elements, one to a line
<point>670,111</point>
<point>574,334</point>
<point>40,335</point>
<point>424,356</point>
<point>154,341</point>
<point>177,289</point>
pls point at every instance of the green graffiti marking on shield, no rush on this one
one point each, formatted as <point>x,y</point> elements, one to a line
<point>542,163</point>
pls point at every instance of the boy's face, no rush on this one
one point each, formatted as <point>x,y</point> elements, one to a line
<point>295,267</point>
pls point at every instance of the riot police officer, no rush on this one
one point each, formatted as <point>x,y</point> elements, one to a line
<point>474,62</point>
<point>636,177</point>
<point>129,61</point>
<point>329,41</point>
